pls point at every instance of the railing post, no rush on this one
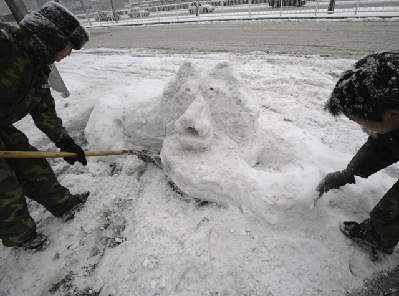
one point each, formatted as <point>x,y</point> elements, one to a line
<point>331,6</point>
<point>357,7</point>
<point>84,10</point>
<point>113,11</point>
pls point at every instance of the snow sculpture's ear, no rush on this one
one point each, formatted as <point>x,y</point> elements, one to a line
<point>181,83</point>
<point>230,103</point>
<point>224,71</point>
<point>194,128</point>
<point>178,95</point>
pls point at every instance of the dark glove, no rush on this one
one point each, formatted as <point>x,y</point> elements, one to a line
<point>69,145</point>
<point>335,180</point>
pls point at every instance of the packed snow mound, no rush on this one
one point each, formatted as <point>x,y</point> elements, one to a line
<point>127,121</point>
<point>205,125</point>
<point>215,98</point>
<point>136,236</point>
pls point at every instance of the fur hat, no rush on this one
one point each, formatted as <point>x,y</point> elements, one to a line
<point>51,28</point>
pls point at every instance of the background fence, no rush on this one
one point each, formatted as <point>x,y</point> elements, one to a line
<point>242,9</point>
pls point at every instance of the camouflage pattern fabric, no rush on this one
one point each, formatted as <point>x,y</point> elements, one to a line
<point>385,218</point>
<point>24,87</point>
<point>32,178</point>
<point>24,90</point>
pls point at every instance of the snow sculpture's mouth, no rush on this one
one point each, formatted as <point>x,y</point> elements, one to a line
<point>190,131</point>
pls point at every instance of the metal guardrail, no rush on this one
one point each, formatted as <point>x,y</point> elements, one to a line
<point>313,8</point>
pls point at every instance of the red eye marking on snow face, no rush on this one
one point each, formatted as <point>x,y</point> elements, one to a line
<point>211,88</point>
<point>188,89</point>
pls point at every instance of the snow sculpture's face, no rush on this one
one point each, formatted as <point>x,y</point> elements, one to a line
<point>199,104</point>
<point>212,134</point>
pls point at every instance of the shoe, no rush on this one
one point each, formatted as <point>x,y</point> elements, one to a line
<point>82,198</point>
<point>37,243</point>
<point>364,233</point>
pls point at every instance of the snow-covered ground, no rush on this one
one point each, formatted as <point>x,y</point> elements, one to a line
<point>137,235</point>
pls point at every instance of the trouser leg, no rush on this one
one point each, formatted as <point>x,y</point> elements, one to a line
<point>16,225</point>
<point>385,217</point>
<point>33,178</point>
<point>39,183</point>
<point>37,178</point>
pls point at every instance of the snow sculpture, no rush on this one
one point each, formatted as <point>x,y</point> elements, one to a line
<point>204,124</point>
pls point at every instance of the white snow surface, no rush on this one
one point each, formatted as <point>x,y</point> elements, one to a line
<point>244,131</point>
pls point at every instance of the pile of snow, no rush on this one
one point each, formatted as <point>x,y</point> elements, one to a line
<point>204,124</point>
<point>248,133</point>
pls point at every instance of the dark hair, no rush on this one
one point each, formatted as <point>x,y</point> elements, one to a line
<point>369,89</point>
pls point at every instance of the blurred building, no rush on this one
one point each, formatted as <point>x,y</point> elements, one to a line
<point>76,6</point>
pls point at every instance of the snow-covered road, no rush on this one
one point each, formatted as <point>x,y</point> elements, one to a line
<point>342,38</point>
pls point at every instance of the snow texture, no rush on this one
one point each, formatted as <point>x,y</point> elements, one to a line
<point>246,131</point>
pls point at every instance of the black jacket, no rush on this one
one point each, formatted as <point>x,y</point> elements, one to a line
<point>377,153</point>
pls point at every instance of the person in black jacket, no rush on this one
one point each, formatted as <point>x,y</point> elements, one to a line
<point>368,94</point>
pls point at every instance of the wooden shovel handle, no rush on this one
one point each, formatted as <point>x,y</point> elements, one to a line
<point>44,154</point>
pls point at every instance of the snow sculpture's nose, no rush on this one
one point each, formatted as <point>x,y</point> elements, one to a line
<point>194,128</point>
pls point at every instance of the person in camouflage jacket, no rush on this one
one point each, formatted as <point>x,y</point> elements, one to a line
<point>26,52</point>
<point>368,94</point>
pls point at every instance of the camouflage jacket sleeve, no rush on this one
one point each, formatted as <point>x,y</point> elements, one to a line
<point>44,113</point>
<point>15,73</point>
<point>375,154</point>
<point>24,86</point>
